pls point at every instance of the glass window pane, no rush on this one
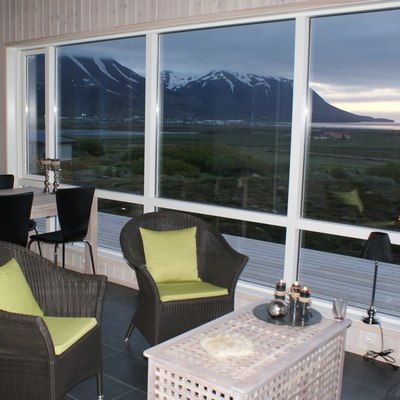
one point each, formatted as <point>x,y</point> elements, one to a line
<point>35,111</point>
<point>353,168</point>
<point>111,218</point>
<point>332,266</point>
<point>101,89</point>
<point>225,115</point>
<point>263,244</point>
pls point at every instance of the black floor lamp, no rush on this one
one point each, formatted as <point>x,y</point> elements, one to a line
<point>377,248</point>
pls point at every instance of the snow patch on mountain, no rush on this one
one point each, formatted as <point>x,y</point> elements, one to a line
<point>83,68</point>
<point>218,75</point>
<point>124,75</point>
<point>100,64</point>
<point>176,80</point>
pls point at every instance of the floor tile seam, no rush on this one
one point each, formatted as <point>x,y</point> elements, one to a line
<point>122,342</point>
<point>126,303</point>
<point>71,397</point>
<point>137,356</point>
<point>125,394</point>
<point>113,354</point>
<point>109,321</point>
<point>124,383</point>
<point>366,382</point>
<point>113,336</point>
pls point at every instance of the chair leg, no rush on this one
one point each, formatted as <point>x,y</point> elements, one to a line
<point>99,384</point>
<point>56,254</point>
<point>130,330</point>
<point>91,254</point>
<point>63,256</point>
<point>38,243</point>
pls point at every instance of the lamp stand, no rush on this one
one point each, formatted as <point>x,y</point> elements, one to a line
<point>370,319</point>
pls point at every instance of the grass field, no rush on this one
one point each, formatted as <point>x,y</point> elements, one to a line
<point>353,180</point>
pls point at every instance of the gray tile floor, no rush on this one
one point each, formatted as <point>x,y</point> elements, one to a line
<point>125,368</point>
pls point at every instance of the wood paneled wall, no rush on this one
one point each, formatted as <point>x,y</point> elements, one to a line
<point>31,19</point>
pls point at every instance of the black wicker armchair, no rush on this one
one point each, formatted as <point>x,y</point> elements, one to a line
<point>218,264</point>
<point>29,367</point>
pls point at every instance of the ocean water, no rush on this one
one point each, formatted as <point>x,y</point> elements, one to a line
<point>392,126</point>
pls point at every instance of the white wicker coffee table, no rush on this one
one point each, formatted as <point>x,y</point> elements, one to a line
<point>286,362</point>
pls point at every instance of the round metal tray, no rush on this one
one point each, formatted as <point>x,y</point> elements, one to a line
<point>261,312</point>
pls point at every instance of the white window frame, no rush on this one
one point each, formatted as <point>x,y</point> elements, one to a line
<point>293,222</point>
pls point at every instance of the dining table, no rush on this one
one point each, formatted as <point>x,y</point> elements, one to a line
<point>44,205</point>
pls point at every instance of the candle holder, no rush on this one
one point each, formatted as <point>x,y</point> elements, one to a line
<point>280,290</point>
<point>294,301</point>
<point>46,163</point>
<point>304,304</point>
<point>55,165</point>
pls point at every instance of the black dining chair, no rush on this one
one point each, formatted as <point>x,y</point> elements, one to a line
<point>15,211</point>
<point>7,182</point>
<point>73,211</point>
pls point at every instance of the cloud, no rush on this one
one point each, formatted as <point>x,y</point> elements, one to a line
<point>354,58</point>
<point>266,48</point>
<point>130,52</point>
<point>357,49</point>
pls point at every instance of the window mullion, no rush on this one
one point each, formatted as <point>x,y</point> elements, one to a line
<point>51,106</point>
<point>151,121</point>
<point>297,151</point>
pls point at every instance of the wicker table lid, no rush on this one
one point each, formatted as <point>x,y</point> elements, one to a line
<point>271,343</point>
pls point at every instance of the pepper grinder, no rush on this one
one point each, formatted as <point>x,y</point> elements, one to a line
<point>304,304</point>
<point>294,303</point>
<point>55,164</point>
<point>46,168</point>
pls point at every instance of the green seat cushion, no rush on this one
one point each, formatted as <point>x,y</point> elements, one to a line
<point>65,331</point>
<point>171,291</point>
<point>171,256</point>
<point>15,294</point>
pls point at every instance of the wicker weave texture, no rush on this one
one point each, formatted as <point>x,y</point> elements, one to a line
<point>29,368</point>
<point>218,263</point>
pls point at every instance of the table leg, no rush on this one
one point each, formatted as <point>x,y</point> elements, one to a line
<point>92,238</point>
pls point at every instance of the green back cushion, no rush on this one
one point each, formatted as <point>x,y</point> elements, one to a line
<point>171,256</point>
<point>65,331</point>
<point>172,291</point>
<point>15,294</point>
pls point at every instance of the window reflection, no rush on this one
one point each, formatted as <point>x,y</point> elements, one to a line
<point>35,111</point>
<point>332,266</point>
<point>352,165</point>
<point>101,89</point>
<point>112,216</point>
<point>225,121</point>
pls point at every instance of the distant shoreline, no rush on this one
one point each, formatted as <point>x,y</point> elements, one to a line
<point>358,125</point>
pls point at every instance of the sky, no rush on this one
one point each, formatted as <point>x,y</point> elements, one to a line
<point>355,62</point>
<point>354,59</point>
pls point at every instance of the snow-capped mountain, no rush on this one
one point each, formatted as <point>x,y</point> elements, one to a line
<point>99,87</point>
<point>174,81</point>
<point>102,88</point>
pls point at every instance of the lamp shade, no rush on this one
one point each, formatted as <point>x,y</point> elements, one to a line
<point>378,247</point>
